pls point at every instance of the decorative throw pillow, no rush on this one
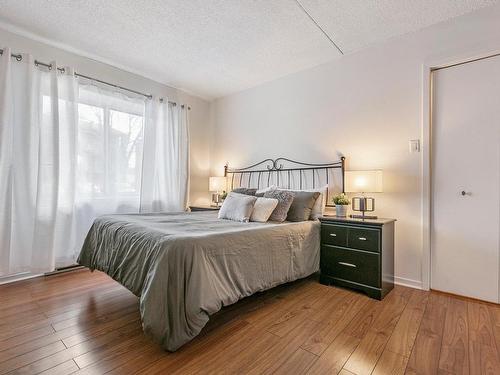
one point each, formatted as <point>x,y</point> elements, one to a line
<point>237,207</point>
<point>302,205</point>
<point>261,192</point>
<point>246,191</point>
<point>318,209</point>
<point>263,208</point>
<point>285,199</point>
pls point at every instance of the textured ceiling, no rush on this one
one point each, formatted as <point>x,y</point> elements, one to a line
<point>216,47</point>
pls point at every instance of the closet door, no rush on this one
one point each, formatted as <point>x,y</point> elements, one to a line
<point>466,179</point>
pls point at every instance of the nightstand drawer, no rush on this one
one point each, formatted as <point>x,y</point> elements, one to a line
<point>364,239</point>
<point>334,235</point>
<point>351,265</point>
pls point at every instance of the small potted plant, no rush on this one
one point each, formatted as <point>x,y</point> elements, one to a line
<point>341,202</point>
<point>223,196</point>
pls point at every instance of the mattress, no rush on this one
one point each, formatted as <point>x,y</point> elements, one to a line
<point>185,267</point>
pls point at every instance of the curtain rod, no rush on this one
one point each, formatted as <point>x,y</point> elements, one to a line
<point>19,57</point>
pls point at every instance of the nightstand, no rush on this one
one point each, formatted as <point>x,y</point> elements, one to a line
<point>203,208</point>
<point>358,254</point>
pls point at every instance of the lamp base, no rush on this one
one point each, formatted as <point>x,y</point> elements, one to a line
<point>363,205</point>
<point>215,200</point>
<point>363,216</point>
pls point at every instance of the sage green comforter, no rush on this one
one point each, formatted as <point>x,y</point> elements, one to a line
<point>186,266</point>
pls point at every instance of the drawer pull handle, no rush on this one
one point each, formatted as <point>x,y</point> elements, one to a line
<point>362,238</point>
<point>333,235</point>
<point>348,264</point>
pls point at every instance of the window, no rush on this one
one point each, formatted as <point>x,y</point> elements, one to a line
<point>126,140</point>
<point>110,145</point>
<point>91,150</point>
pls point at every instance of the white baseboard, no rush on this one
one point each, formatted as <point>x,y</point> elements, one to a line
<point>416,284</point>
<point>18,277</point>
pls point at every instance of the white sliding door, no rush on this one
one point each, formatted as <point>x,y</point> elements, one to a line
<point>466,179</point>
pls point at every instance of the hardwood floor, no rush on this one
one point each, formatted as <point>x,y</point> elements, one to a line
<point>86,323</point>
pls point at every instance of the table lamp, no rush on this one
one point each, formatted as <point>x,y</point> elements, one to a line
<point>216,185</point>
<point>363,182</point>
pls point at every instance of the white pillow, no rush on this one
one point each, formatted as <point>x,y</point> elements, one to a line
<point>263,208</point>
<point>318,208</point>
<point>237,207</point>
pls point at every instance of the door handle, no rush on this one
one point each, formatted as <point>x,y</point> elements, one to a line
<point>362,238</point>
<point>333,235</point>
<point>464,193</point>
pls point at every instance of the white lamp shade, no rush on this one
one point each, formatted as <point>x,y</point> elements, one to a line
<point>363,181</point>
<point>217,184</point>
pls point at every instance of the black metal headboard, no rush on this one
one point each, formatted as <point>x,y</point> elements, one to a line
<point>290,174</point>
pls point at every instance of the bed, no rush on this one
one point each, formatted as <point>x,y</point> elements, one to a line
<point>185,267</point>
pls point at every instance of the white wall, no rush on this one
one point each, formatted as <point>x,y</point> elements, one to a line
<point>199,114</point>
<point>367,106</point>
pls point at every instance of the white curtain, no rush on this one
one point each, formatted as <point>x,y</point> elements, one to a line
<point>165,183</point>
<point>38,135</point>
<point>70,151</point>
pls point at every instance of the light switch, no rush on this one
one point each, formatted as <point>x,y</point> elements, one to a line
<point>414,145</point>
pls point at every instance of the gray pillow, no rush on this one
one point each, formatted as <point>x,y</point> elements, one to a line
<point>302,205</point>
<point>237,207</point>
<point>246,191</point>
<point>285,199</point>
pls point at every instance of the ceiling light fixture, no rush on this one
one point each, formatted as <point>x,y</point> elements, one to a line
<point>319,27</point>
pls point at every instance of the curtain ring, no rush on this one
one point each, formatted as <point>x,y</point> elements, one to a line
<point>36,63</point>
<point>19,57</point>
<point>50,67</point>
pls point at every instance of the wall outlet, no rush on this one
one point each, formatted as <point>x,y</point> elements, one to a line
<point>414,145</point>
